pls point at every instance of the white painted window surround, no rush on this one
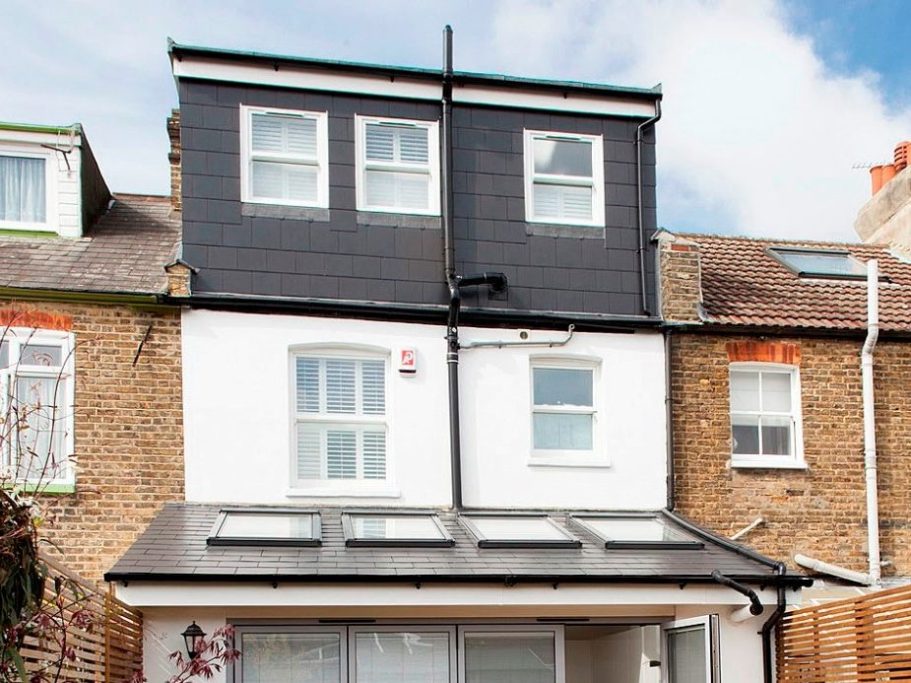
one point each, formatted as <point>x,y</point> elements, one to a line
<point>766,425</point>
<point>397,165</point>
<point>564,178</point>
<point>340,429</point>
<point>565,429</point>
<point>284,157</point>
<point>36,388</point>
<point>28,188</point>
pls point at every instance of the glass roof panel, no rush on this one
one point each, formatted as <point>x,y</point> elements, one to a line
<point>396,527</point>
<point>265,528</point>
<point>636,530</point>
<point>821,263</point>
<point>518,531</point>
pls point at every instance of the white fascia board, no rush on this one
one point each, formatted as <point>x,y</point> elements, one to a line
<point>36,138</point>
<point>289,76</point>
<point>570,102</point>
<point>144,594</point>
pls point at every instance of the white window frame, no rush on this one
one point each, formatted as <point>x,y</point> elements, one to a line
<point>362,165</point>
<point>596,182</point>
<point>449,630</point>
<point>340,487</point>
<point>796,459</point>
<point>16,338</point>
<point>247,156</point>
<point>596,457</point>
<point>50,188</point>
<point>236,669</point>
<point>710,624</point>
<point>517,629</point>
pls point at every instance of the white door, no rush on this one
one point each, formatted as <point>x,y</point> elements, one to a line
<point>691,651</point>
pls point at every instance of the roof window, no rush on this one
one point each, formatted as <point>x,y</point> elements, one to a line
<point>637,533</point>
<point>395,530</point>
<point>266,528</point>
<point>518,531</point>
<point>822,263</point>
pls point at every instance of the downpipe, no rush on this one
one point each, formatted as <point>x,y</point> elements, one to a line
<point>640,129</point>
<point>870,465</point>
<point>768,675</point>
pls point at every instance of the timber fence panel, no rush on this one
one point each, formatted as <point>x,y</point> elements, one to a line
<point>101,634</point>
<point>863,639</point>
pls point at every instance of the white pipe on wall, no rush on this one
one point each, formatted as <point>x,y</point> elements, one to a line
<point>832,569</point>
<point>866,367</point>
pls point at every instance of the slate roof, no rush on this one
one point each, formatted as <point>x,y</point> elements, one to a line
<point>123,252</point>
<point>743,285</point>
<point>174,548</point>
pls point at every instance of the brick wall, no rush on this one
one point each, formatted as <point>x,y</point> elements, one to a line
<point>128,429</point>
<point>821,511</point>
<point>681,285</point>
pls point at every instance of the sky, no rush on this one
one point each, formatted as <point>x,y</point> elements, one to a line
<point>770,106</point>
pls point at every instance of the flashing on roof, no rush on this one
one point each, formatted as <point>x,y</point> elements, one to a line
<point>518,531</point>
<point>395,529</point>
<point>835,264</point>
<point>266,527</point>
<point>636,532</point>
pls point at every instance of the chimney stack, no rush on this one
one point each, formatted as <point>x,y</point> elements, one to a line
<point>174,157</point>
<point>883,173</point>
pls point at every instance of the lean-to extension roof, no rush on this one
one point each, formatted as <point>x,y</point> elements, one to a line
<point>123,252</point>
<point>174,548</point>
<point>742,284</point>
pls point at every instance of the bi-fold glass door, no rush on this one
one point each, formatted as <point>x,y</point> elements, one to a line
<point>396,654</point>
<point>691,650</point>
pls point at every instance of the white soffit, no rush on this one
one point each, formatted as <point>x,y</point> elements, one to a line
<point>289,76</point>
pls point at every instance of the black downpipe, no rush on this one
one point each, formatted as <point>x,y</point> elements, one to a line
<point>669,420</point>
<point>640,129</point>
<point>771,623</point>
<point>756,607</point>
<point>446,160</point>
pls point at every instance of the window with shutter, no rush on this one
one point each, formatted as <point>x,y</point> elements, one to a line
<point>285,157</point>
<point>397,166</point>
<point>564,178</point>
<point>340,415</point>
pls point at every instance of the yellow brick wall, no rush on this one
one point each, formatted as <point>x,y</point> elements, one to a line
<point>128,430</point>
<point>821,511</point>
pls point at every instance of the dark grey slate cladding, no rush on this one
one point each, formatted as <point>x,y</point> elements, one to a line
<point>300,255</point>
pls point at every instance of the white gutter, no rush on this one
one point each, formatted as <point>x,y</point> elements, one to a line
<point>866,366</point>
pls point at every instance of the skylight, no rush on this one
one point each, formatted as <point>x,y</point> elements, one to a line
<point>518,531</point>
<point>823,263</point>
<point>637,532</point>
<point>395,529</point>
<point>266,528</point>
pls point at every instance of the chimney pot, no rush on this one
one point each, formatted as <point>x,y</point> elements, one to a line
<point>876,177</point>
<point>902,155</point>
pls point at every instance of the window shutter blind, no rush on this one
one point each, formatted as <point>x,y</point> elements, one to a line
<point>397,190</point>
<point>284,134</point>
<point>562,201</point>
<point>374,450</point>
<point>341,454</point>
<point>340,386</point>
<point>307,385</point>
<point>309,452</point>
<point>292,182</point>
<point>373,393</point>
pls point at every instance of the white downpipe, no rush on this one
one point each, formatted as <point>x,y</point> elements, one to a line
<point>741,614</point>
<point>866,367</point>
<point>832,569</point>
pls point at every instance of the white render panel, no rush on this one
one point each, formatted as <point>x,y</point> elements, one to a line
<point>238,419</point>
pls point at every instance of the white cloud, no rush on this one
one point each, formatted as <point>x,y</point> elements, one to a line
<point>757,133</point>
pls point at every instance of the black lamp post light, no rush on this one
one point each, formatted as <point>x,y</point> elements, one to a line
<point>193,638</point>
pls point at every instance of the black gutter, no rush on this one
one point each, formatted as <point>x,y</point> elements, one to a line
<point>640,210</point>
<point>511,579</point>
<point>756,607</point>
<point>771,623</point>
<point>435,314</point>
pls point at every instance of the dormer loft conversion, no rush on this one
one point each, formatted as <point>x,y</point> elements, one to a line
<point>49,181</point>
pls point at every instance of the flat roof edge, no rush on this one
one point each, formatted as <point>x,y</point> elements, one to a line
<point>178,51</point>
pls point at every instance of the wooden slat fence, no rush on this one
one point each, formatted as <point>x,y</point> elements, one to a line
<point>106,638</point>
<point>867,638</point>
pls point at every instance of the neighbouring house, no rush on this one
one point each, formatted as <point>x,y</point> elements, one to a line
<point>424,390</point>
<point>886,217</point>
<point>90,396</point>
<point>768,402</point>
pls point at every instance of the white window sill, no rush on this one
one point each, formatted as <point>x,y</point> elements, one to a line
<point>563,223</point>
<point>399,210</point>
<point>568,460</point>
<point>340,492</point>
<point>769,463</point>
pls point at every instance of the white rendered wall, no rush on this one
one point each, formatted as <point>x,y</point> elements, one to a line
<point>238,420</point>
<point>64,192</point>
